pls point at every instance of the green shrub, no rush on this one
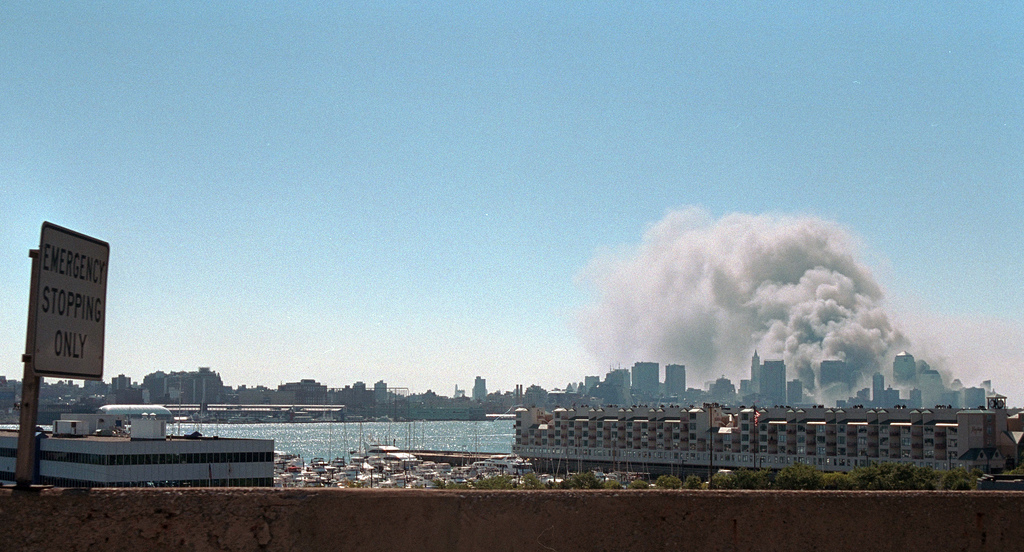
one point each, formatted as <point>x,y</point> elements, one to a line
<point>531,481</point>
<point>494,483</point>
<point>751,479</point>
<point>668,482</point>
<point>639,484</point>
<point>892,476</point>
<point>693,482</point>
<point>837,481</point>
<point>799,477</point>
<point>585,480</point>
<point>611,484</point>
<point>723,480</point>
<point>958,479</point>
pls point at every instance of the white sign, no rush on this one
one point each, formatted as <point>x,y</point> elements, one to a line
<point>71,304</point>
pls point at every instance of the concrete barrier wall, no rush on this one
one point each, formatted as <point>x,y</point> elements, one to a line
<point>367,519</point>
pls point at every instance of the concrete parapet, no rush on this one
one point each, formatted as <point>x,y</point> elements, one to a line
<point>372,519</point>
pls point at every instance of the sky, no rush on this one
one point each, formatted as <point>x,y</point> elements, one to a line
<point>418,192</point>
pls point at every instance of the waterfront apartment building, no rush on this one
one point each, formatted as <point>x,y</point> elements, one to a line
<point>676,439</point>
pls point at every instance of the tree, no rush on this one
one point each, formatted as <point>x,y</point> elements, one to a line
<point>494,483</point>
<point>892,476</point>
<point>723,480</point>
<point>668,482</point>
<point>693,482</point>
<point>751,479</point>
<point>611,484</point>
<point>585,480</point>
<point>639,484</point>
<point>959,479</point>
<point>837,481</point>
<point>866,478</point>
<point>799,477</point>
<point>531,481</point>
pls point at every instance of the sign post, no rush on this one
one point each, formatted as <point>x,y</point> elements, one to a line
<point>66,322</point>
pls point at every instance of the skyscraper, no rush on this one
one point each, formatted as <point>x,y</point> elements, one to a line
<point>675,379</point>
<point>834,372</point>
<point>973,397</point>
<point>904,369</point>
<point>755,374</point>
<point>480,389</point>
<point>877,389</point>
<point>773,381</point>
<point>645,378</point>
<point>795,392</point>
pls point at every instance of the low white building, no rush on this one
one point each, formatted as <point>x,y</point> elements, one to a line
<point>147,458</point>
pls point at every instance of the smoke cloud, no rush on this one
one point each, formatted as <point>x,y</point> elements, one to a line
<point>706,293</point>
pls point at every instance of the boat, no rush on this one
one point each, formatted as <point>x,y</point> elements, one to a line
<point>504,464</point>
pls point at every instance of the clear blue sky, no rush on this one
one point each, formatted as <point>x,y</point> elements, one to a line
<point>409,192</point>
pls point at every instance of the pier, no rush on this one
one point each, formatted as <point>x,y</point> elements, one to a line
<point>455,458</point>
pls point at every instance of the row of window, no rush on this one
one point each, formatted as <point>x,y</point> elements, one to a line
<point>148,459</point>
<point>771,460</point>
<point>239,482</point>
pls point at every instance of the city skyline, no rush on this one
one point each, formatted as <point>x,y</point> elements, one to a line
<point>427,194</point>
<point>910,383</point>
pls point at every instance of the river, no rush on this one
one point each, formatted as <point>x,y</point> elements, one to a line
<point>328,440</point>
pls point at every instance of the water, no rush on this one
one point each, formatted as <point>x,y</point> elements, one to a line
<point>329,440</point>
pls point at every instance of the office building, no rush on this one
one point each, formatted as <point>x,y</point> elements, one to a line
<point>480,389</point>
<point>835,375</point>
<point>755,374</point>
<point>645,379</point>
<point>675,380</point>
<point>877,388</point>
<point>904,369</point>
<point>794,392</point>
<point>773,381</point>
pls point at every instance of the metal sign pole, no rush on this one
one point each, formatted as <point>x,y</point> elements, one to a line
<point>23,472</point>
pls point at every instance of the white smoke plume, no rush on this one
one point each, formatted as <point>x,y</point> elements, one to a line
<point>706,293</point>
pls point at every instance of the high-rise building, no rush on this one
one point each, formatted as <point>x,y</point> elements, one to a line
<point>615,387</point>
<point>889,398</point>
<point>904,370</point>
<point>773,381</point>
<point>877,388</point>
<point>120,382</point>
<point>834,373</point>
<point>645,378</point>
<point>755,374</point>
<point>932,388</point>
<point>916,399</point>
<point>722,390</point>
<point>675,379</point>
<point>618,376</point>
<point>480,389</point>
<point>974,397</point>
<point>380,392</point>
<point>795,392</point>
